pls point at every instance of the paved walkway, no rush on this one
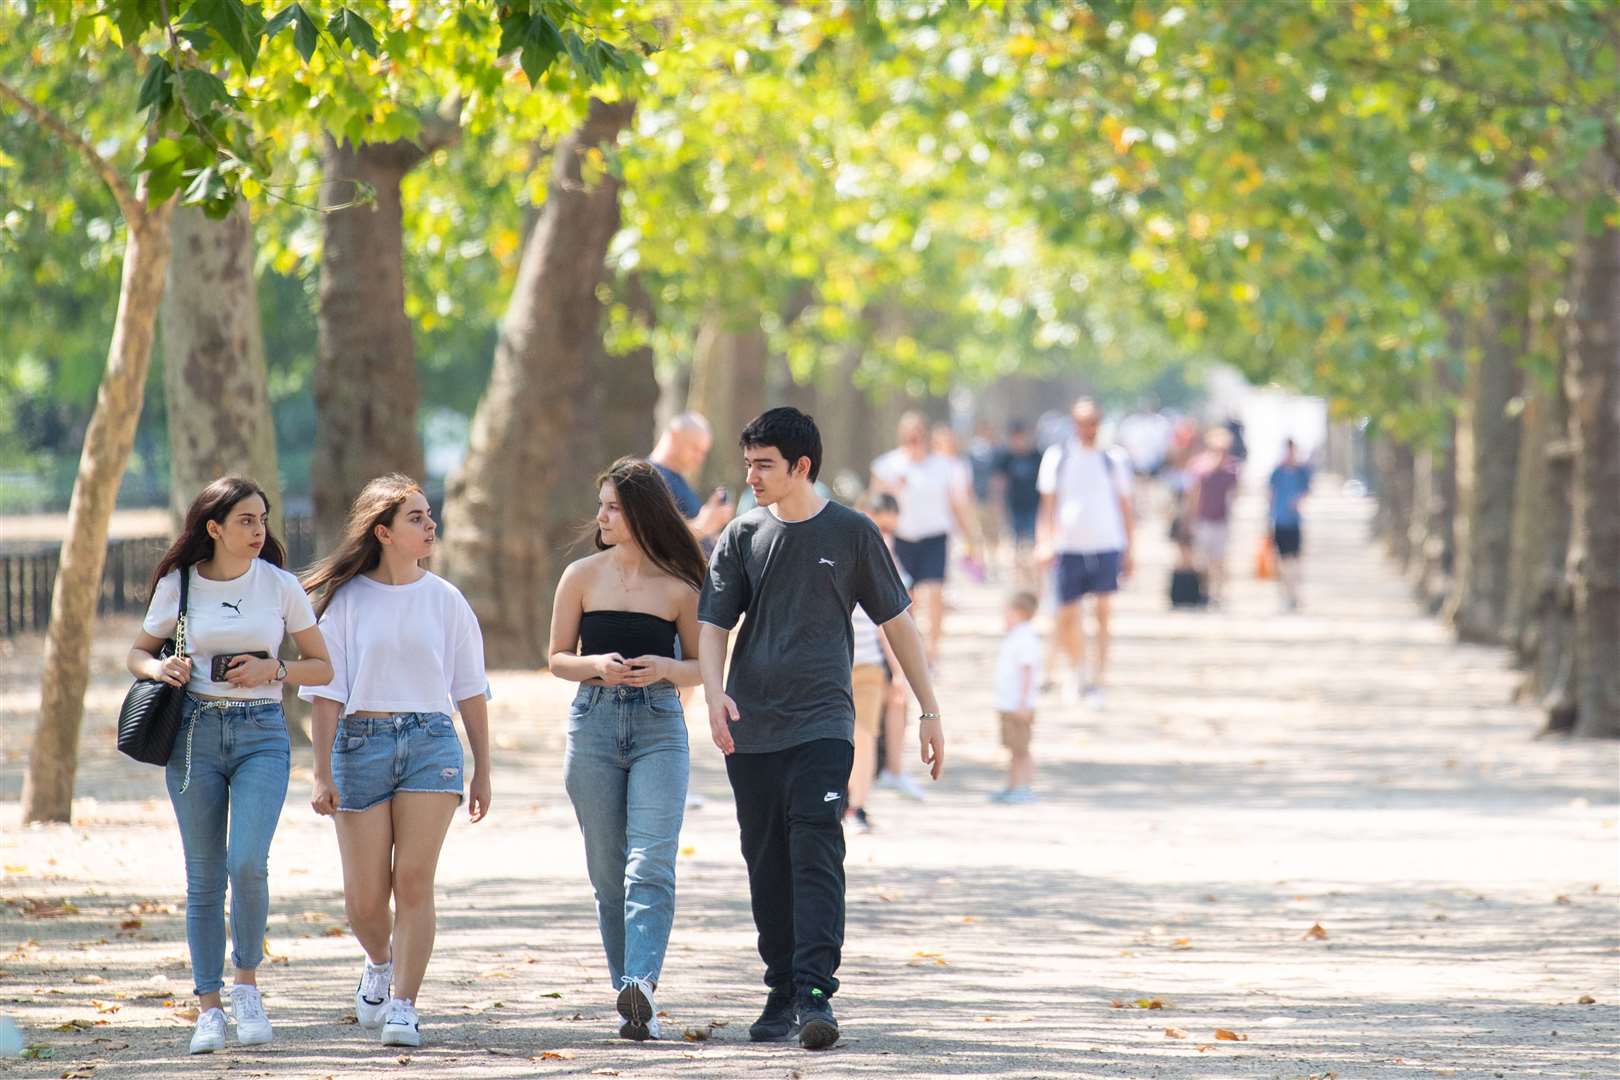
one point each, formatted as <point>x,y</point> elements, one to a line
<point>1253,777</point>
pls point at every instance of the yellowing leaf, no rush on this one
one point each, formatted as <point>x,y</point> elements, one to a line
<point>1226,1035</point>
<point>1316,933</point>
<point>1174,1033</point>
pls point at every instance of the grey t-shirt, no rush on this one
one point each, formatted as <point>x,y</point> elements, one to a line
<point>797,582</point>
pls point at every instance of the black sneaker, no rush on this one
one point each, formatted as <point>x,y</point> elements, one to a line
<point>778,1021</point>
<point>817,1027</point>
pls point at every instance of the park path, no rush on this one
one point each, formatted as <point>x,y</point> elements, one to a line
<point>1253,777</point>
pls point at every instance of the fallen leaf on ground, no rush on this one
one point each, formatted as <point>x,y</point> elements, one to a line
<point>604,1072</point>
<point>696,1034</point>
<point>927,956</point>
<point>1203,1047</point>
<point>1181,943</point>
<point>76,1025</point>
<point>80,1072</point>
<point>1174,1033</point>
<point>105,1006</point>
<point>1586,999</point>
<point>888,898</point>
<point>404,1060</point>
<point>130,924</point>
<point>1151,1003</point>
<point>1315,933</point>
<point>188,1014</point>
<point>689,850</point>
<point>555,1055</point>
<point>334,931</point>
<point>1563,900</point>
<point>48,909</point>
<point>14,868</point>
<point>968,920</point>
<point>553,994</point>
<point>1226,1035</point>
<point>89,980</point>
<point>38,1052</point>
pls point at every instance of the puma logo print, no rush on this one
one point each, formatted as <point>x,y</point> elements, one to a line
<point>827,562</point>
<point>236,607</point>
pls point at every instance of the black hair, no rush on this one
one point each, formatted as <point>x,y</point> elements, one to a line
<point>791,432</point>
<point>215,503</point>
<point>1018,427</point>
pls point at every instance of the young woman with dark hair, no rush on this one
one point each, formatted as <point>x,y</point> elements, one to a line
<point>388,766</point>
<point>227,777</point>
<point>614,627</point>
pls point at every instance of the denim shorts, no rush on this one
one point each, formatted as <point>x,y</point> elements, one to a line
<point>1096,573</point>
<point>375,756</point>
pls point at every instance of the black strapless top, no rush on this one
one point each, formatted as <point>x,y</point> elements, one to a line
<point>628,633</point>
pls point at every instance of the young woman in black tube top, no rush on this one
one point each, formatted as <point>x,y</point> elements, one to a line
<point>614,626</point>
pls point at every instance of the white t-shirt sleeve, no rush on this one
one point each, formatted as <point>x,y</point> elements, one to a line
<point>1029,653</point>
<point>164,611</point>
<point>332,625</point>
<point>889,467</point>
<point>1046,481</point>
<point>466,668</point>
<point>296,610</point>
<point>1123,479</point>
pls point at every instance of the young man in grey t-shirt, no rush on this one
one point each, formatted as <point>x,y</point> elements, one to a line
<point>795,567</point>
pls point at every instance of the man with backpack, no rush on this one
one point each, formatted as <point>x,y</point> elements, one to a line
<point>1086,528</point>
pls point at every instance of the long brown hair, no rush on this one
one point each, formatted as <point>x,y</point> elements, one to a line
<point>655,523</point>
<point>214,503</point>
<point>359,550</point>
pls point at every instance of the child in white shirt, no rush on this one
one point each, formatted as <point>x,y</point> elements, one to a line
<point>1014,692</point>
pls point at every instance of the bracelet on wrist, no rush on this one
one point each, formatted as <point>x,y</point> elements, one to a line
<point>928,716</point>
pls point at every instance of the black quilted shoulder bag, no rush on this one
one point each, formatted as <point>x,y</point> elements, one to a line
<point>150,718</point>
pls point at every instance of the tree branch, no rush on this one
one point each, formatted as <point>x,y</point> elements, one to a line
<point>127,202</point>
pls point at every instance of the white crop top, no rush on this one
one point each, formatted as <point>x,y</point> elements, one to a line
<point>401,648</point>
<point>250,613</point>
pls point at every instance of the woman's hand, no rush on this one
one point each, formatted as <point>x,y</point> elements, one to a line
<point>646,670</point>
<point>174,670</point>
<point>249,671</point>
<point>324,798</point>
<point>611,668</point>
<point>478,794</point>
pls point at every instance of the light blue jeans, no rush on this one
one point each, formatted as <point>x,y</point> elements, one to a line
<point>626,768</point>
<point>227,780</point>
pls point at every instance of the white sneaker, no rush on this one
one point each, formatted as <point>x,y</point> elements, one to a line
<point>247,1008</point>
<point>1094,697</point>
<point>694,801</point>
<point>639,1011</point>
<point>903,784</point>
<point>371,996</point>
<point>210,1033</point>
<point>400,1025</point>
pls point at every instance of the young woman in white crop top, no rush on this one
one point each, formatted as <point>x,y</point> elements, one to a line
<point>227,778</point>
<point>406,649</point>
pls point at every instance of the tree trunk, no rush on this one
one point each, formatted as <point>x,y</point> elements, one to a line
<point>1592,382</point>
<point>1433,510</point>
<point>53,761</point>
<point>366,387</point>
<point>1487,468</point>
<point>623,394</point>
<point>1541,605</point>
<point>728,388</point>
<point>523,489</point>
<point>214,380</point>
<point>1396,473</point>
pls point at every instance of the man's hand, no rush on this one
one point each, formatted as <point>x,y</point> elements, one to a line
<point>931,734</point>
<point>713,517</point>
<point>722,714</point>
<point>1126,563</point>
